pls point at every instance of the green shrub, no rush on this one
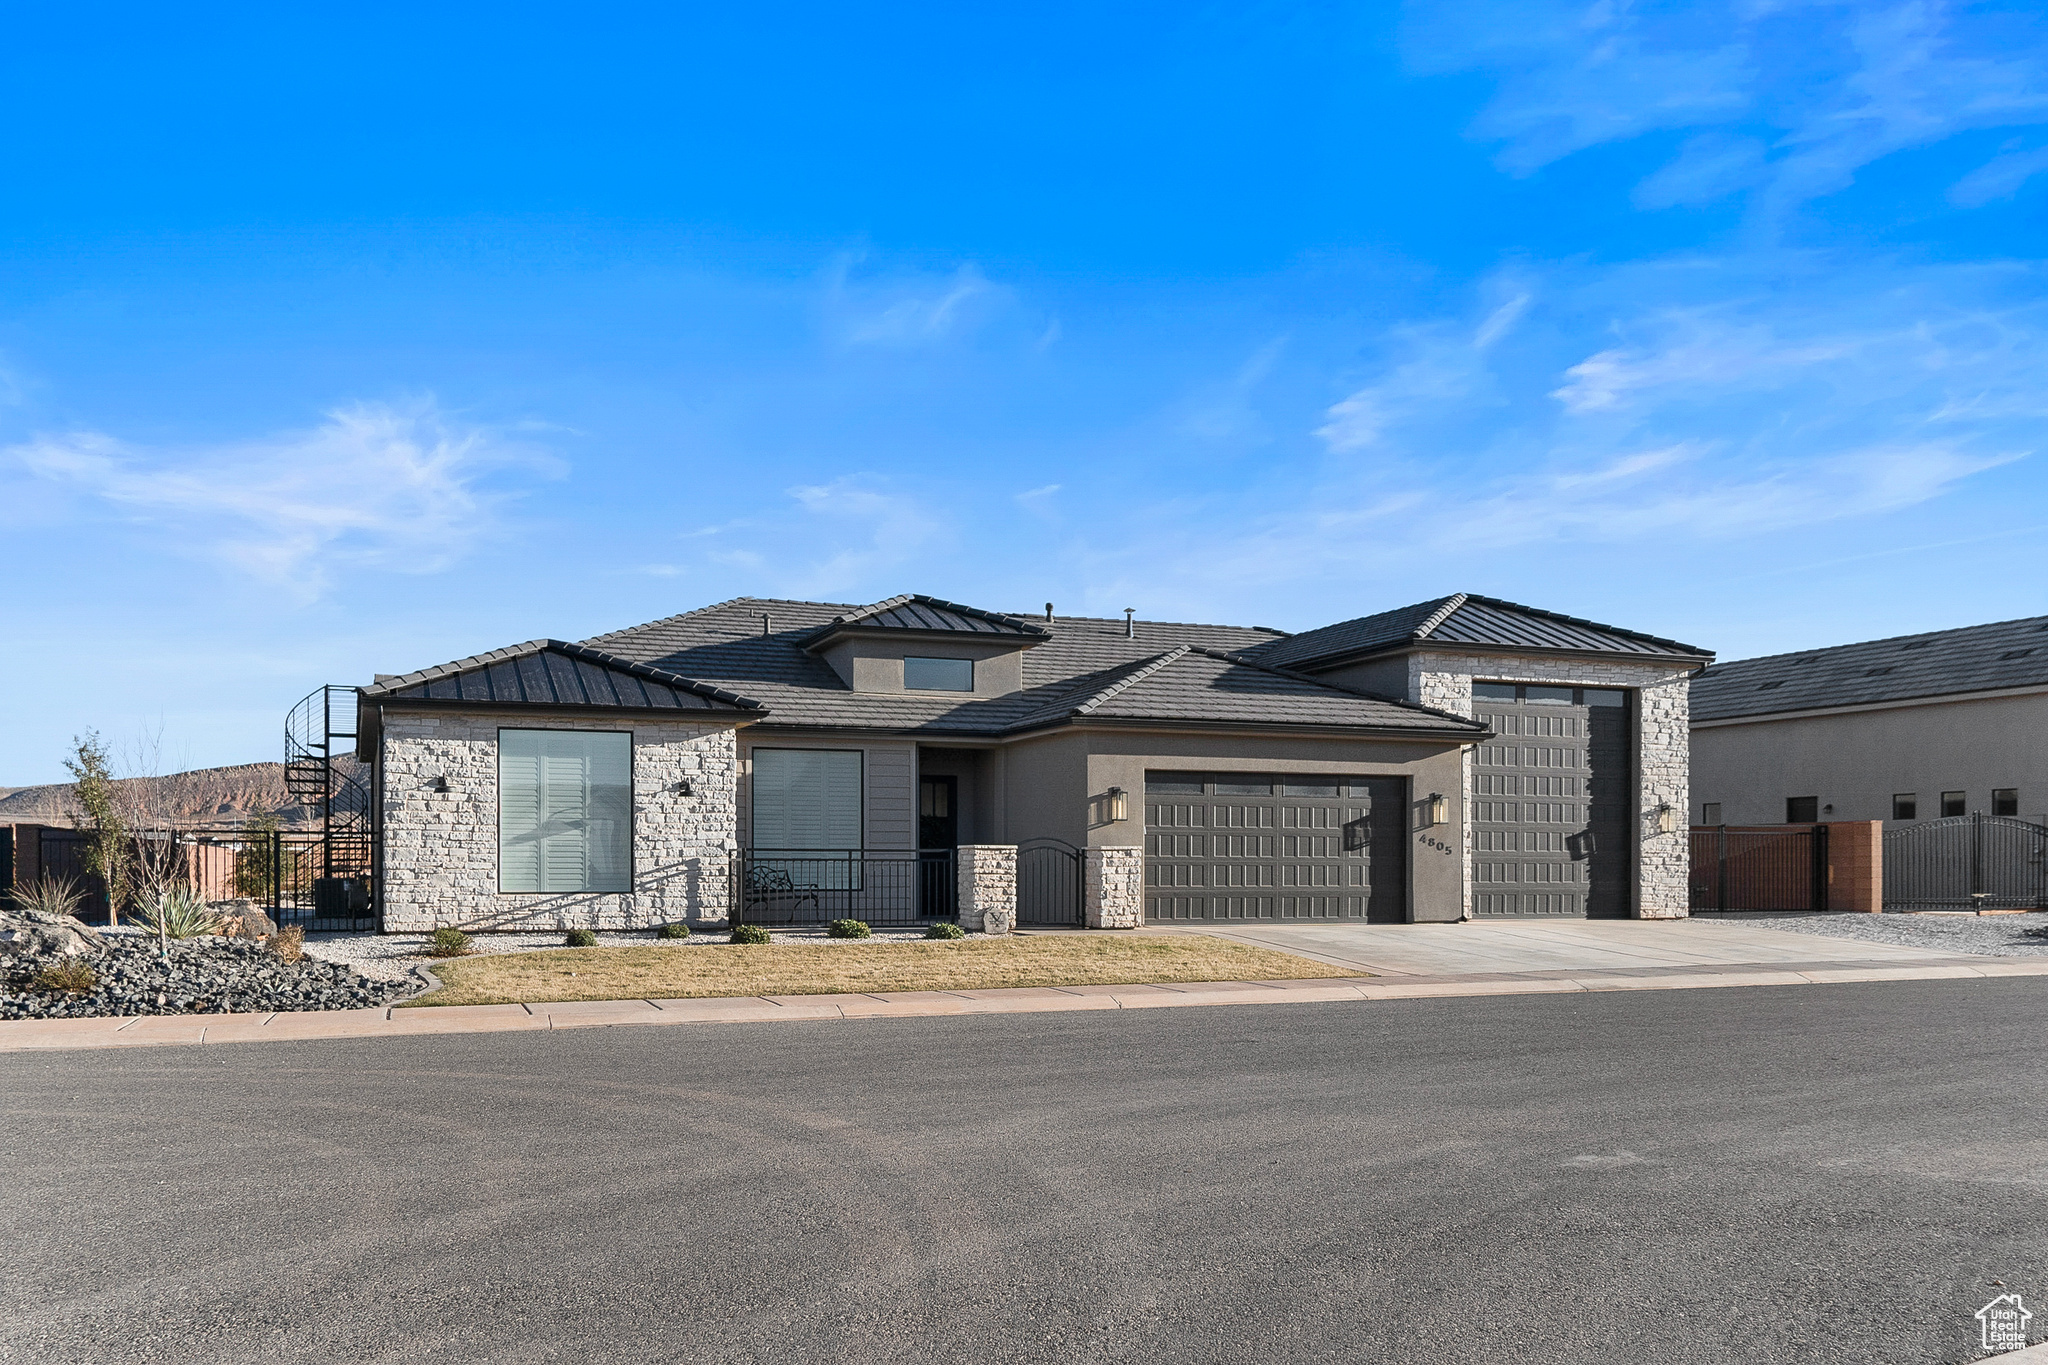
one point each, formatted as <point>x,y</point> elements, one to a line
<point>749,933</point>
<point>449,943</point>
<point>68,976</point>
<point>945,929</point>
<point>673,931</point>
<point>56,897</point>
<point>580,938</point>
<point>849,928</point>
<point>179,913</point>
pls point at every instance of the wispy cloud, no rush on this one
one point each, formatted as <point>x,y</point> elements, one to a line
<point>908,311</point>
<point>396,487</point>
<point>1440,363</point>
<point>833,538</point>
<point>1787,100</point>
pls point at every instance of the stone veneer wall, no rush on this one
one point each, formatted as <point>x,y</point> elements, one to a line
<point>1113,886</point>
<point>987,881</point>
<point>1663,739</point>
<point>440,853</point>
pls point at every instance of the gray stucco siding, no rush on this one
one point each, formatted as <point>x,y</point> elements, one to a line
<point>1857,760</point>
<point>440,849</point>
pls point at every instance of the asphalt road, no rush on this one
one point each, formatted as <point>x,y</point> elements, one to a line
<point>1827,1174</point>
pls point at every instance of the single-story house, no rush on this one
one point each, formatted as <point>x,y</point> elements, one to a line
<point>1904,730</point>
<point>1458,758</point>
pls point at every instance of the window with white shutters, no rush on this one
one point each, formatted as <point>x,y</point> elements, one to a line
<point>565,810</point>
<point>807,799</point>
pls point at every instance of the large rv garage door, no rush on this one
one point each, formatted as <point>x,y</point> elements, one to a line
<point>1248,846</point>
<point>1550,801</point>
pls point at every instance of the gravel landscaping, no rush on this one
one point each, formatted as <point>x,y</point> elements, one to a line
<point>200,976</point>
<point>392,957</point>
<point>1989,935</point>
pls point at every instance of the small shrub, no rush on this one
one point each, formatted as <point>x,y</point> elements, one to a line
<point>179,913</point>
<point>67,976</point>
<point>750,933</point>
<point>849,928</point>
<point>580,938</point>
<point>289,943</point>
<point>945,929</point>
<point>54,897</point>
<point>673,931</point>
<point>449,942</point>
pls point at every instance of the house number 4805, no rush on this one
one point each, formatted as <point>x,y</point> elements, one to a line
<point>1437,844</point>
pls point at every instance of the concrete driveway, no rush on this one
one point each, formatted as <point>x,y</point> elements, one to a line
<point>1565,946</point>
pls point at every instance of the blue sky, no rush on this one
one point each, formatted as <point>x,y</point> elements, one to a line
<point>352,341</point>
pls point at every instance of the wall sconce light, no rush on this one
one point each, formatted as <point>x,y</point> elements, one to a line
<point>1119,808</point>
<point>1437,809</point>
<point>439,784</point>
<point>683,788</point>
<point>1667,818</point>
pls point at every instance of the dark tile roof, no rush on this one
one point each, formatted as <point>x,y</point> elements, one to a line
<point>1902,668</point>
<point>1077,659</point>
<point>1193,683</point>
<point>914,611</point>
<point>1468,619</point>
<point>556,673</point>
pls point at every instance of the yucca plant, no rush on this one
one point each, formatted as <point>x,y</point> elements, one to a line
<point>54,897</point>
<point>178,912</point>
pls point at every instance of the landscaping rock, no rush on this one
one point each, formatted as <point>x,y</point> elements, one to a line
<point>35,935</point>
<point>242,919</point>
<point>191,976</point>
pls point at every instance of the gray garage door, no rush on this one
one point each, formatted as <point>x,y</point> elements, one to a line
<point>1281,847</point>
<point>1550,801</point>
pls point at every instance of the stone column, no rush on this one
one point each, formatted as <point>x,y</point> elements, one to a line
<point>1113,880</point>
<point>986,877</point>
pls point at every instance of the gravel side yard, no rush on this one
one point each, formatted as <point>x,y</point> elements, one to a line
<point>1990,935</point>
<point>201,976</point>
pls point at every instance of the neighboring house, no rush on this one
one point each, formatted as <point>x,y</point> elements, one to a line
<point>1457,758</point>
<point>1909,729</point>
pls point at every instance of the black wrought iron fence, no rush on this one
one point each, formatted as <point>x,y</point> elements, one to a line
<point>1759,869</point>
<point>815,886</point>
<point>1048,883</point>
<point>302,877</point>
<point>1967,862</point>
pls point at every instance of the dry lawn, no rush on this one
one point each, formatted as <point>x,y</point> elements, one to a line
<point>680,971</point>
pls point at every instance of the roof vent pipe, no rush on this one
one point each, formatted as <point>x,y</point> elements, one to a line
<point>1130,628</point>
<point>1048,611</point>
<point>765,626</point>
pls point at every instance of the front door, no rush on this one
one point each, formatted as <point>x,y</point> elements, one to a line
<point>938,812</point>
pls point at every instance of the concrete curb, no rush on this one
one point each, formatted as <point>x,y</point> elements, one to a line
<point>30,1035</point>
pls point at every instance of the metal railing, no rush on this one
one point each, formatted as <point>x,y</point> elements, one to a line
<point>297,876</point>
<point>1967,862</point>
<point>816,886</point>
<point>1759,869</point>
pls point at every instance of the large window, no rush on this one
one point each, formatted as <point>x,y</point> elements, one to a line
<point>938,675</point>
<point>565,810</point>
<point>807,799</point>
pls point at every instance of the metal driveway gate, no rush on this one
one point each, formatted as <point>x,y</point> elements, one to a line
<point>1966,862</point>
<point>816,886</point>
<point>1276,847</point>
<point>1049,883</point>
<point>1759,869</point>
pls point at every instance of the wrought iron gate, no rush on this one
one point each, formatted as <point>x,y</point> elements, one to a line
<point>1759,869</point>
<point>1049,883</point>
<point>1967,862</point>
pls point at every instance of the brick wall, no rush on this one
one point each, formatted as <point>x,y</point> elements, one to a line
<point>440,851</point>
<point>1856,865</point>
